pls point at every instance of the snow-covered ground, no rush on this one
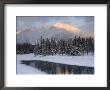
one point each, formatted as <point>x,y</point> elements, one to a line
<point>24,69</point>
<point>87,60</point>
<point>71,60</point>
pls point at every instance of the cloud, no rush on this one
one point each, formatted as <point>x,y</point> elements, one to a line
<point>66,26</point>
<point>60,25</point>
<point>20,31</point>
<point>33,29</point>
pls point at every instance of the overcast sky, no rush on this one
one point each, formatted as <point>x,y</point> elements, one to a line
<point>84,23</point>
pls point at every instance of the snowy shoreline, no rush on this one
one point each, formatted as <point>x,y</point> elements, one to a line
<point>70,60</point>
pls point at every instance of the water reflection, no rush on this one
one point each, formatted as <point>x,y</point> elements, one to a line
<point>57,68</point>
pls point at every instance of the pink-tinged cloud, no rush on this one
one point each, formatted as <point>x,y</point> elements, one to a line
<point>66,26</point>
<point>59,26</point>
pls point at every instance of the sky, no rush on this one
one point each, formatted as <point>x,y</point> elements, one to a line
<point>83,23</point>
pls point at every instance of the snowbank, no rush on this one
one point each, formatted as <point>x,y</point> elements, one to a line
<point>24,69</point>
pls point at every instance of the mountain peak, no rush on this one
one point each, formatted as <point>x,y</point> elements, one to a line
<point>57,30</point>
<point>66,26</point>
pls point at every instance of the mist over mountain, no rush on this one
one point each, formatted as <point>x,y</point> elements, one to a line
<point>58,30</point>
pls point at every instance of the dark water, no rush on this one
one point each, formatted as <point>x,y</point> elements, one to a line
<point>57,68</point>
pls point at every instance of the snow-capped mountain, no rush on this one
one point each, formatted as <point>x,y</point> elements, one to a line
<point>57,30</point>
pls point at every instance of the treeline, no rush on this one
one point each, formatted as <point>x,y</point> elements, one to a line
<point>73,46</point>
<point>76,46</point>
<point>24,48</point>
